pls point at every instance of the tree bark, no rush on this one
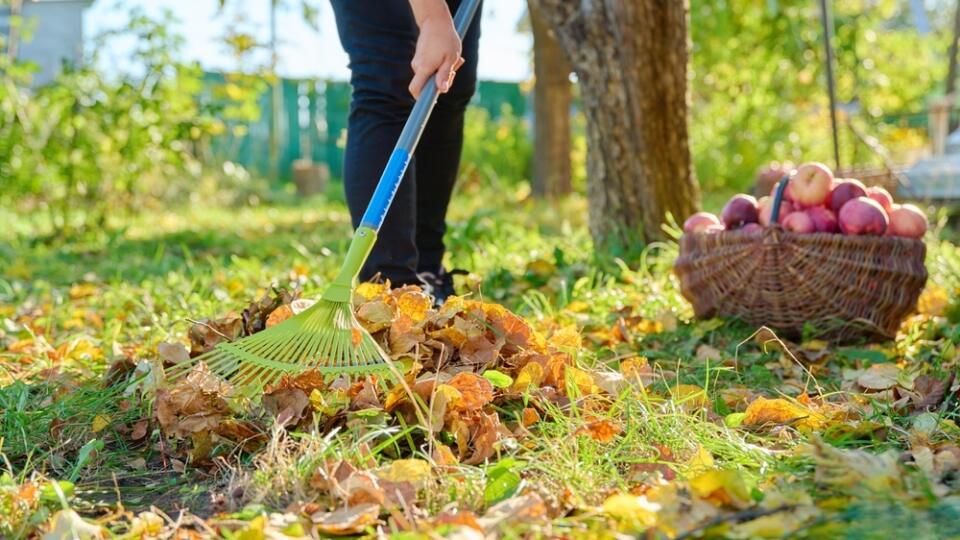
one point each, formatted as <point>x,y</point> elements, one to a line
<point>552,97</point>
<point>631,59</point>
<point>952,54</point>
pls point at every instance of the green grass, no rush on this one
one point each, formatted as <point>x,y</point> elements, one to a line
<point>153,274</point>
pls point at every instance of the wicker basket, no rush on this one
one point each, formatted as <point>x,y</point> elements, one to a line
<point>842,287</point>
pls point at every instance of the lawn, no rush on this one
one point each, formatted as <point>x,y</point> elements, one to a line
<point>605,408</point>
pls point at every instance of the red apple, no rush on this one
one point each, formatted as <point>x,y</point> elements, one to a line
<point>823,220</point>
<point>766,209</point>
<point>863,216</point>
<point>811,185</point>
<point>752,228</point>
<point>844,191</point>
<point>741,209</point>
<point>699,222</point>
<point>908,221</point>
<point>799,222</point>
<point>882,196</point>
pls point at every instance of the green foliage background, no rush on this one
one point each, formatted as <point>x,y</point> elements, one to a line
<point>93,144</point>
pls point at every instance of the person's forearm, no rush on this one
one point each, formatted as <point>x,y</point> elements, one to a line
<point>424,10</point>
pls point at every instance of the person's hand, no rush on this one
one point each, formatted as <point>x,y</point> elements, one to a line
<point>438,52</point>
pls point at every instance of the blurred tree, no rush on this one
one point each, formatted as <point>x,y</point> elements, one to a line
<point>552,97</point>
<point>631,59</point>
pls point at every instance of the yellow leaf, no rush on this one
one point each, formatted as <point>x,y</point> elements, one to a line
<point>566,338</point>
<point>82,290</point>
<point>933,300</point>
<point>414,305</point>
<point>444,398</point>
<point>723,488</point>
<point>690,397</point>
<point>781,411</point>
<point>415,471</point>
<point>582,380</point>
<point>530,375</point>
<point>100,422</point>
<point>369,291</point>
<point>701,460</point>
<point>635,513</point>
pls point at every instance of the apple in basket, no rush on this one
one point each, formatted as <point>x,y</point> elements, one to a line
<point>700,221</point>
<point>811,185</point>
<point>844,191</point>
<point>882,196</point>
<point>908,221</point>
<point>752,228</point>
<point>863,216</point>
<point>824,220</point>
<point>766,209</point>
<point>740,210</point>
<point>799,222</point>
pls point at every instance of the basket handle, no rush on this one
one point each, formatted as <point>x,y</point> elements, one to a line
<point>777,198</point>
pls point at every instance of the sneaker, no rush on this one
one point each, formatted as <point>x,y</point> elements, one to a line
<point>440,286</point>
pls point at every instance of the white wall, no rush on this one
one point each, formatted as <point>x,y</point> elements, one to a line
<point>57,35</point>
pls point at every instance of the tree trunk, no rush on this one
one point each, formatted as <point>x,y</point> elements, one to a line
<point>952,54</point>
<point>631,58</point>
<point>552,97</point>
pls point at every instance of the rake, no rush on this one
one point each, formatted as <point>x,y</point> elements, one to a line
<point>327,336</point>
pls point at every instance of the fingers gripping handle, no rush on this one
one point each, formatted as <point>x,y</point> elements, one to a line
<point>400,158</point>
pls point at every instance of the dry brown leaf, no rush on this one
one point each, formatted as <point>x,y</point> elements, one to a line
<point>879,377</point>
<point>287,405</point>
<point>347,521</point>
<point>376,315</point>
<point>205,335</point>
<point>196,402</point>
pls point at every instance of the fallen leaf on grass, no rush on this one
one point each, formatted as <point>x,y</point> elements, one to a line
<point>68,524</point>
<point>523,508</point>
<point>205,335</point>
<point>723,488</point>
<point>780,411</point>
<point>172,353</point>
<point>347,521</point>
<point>196,402</point>
<point>635,513</point>
<point>879,377</point>
<point>287,405</point>
<point>415,471</point>
<point>600,430</point>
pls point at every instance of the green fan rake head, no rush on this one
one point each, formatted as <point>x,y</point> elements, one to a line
<point>326,337</point>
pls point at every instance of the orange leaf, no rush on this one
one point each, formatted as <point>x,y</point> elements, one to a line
<point>279,315</point>
<point>475,391</point>
<point>600,430</point>
<point>781,411</point>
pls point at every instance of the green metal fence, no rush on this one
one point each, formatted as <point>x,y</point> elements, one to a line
<point>313,122</point>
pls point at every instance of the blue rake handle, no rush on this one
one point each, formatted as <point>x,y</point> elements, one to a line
<point>400,158</point>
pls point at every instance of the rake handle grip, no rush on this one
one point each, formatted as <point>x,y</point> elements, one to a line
<point>400,158</point>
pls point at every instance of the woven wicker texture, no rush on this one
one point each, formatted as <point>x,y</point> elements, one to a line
<point>846,287</point>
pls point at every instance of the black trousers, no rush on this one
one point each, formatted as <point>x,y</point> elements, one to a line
<point>380,38</point>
